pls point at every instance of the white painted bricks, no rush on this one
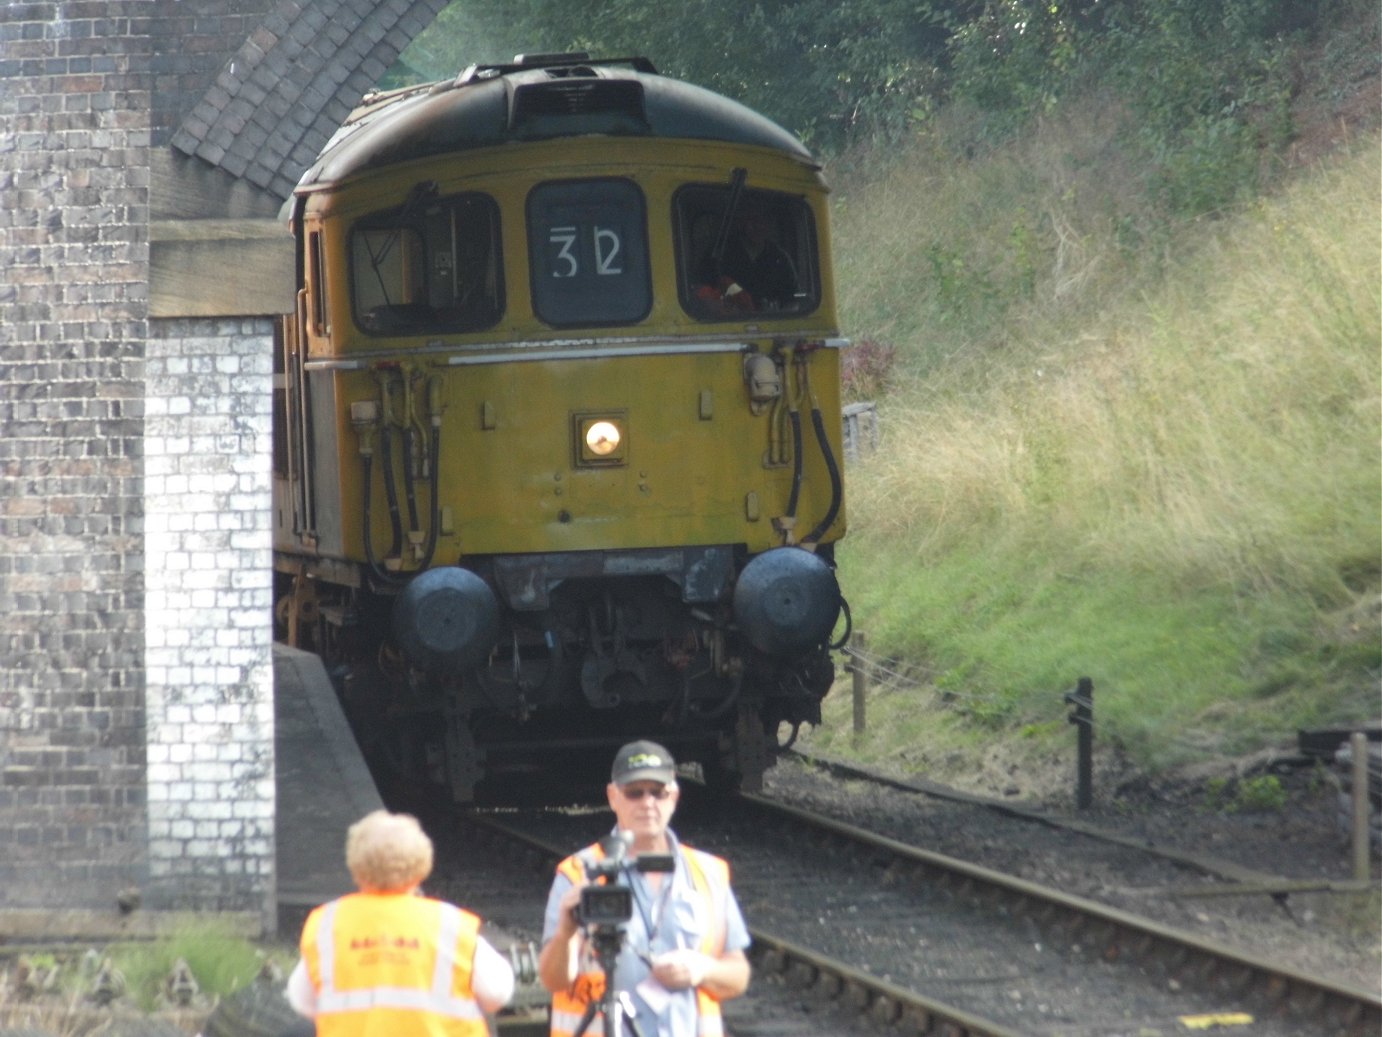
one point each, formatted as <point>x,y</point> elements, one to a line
<point>208,623</point>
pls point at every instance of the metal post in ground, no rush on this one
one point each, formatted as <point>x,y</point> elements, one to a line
<point>859,671</point>
<point>1362,863</point>
<point>1082,698</point>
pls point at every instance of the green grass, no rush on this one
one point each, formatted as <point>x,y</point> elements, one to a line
<point>1159,468</point>
<point>1175,672</point>
<point>221,959</point>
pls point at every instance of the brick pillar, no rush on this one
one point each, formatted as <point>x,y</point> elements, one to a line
<point>136,753</point>
<point>74,134</point>
<point>208,611</point>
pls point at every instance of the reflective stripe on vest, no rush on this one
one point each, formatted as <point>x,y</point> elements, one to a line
<point>709,877</point>
<point>342,1010</point>
<point>708,1022</point>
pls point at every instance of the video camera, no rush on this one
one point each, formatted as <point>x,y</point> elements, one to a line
<point>610,903</point>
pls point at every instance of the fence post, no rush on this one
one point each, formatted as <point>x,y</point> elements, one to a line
<point>1362,850</point>
<point>859,671</point>
<point>1082,698</point>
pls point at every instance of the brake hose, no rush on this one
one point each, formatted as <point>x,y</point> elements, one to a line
<point>836,487</point>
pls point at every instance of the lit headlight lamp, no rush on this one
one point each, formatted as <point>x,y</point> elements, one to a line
<point>601,439</point>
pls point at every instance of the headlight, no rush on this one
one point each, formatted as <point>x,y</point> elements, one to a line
<point>601,439</point>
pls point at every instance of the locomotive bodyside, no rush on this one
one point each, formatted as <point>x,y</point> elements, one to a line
<point>550,477</point>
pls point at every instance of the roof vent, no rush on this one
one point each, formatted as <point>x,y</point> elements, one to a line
<point>608,105</point>
<point>575,63</point>
<point>538,60</point>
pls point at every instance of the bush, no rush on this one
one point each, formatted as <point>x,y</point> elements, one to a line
<point>866,369</point>
<point>1262,793</point>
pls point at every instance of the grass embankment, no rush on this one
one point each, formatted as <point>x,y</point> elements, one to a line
<point>1114,447</point>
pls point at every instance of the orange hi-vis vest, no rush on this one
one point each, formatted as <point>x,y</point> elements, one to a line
<point>710,878</point>
<point>393,964</point>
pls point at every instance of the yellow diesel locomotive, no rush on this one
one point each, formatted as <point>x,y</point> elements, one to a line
<point>558,435</point>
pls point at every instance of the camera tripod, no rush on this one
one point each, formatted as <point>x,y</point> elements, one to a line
<point>615,1006</point>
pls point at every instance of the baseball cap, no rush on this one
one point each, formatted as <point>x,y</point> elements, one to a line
<point>643,761</point>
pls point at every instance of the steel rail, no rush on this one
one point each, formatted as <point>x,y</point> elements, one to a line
<point>1118,933</point>
<point>1244,881</point>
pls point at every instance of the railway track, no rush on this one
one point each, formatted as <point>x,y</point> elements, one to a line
<point>1308,915</point>
<point>855,931</point>
<point>1234,878</point>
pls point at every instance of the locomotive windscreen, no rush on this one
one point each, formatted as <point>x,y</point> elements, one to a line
<point>755,254</point>
<point>428,267</point>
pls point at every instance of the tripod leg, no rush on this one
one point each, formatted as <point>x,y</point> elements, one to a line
<point>587,1017</point>
<point>616,1009</point>
<point>628,1014</point>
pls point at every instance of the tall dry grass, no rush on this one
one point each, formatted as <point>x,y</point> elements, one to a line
<point>963,257</point>
<point>1165,469</point>
<point>1226,428</point>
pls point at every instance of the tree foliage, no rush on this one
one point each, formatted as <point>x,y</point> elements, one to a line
<point>830,72</point>
<point>840,74</point>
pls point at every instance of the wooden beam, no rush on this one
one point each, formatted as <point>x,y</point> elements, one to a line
<point>220,268</point>
<point>183,188</point>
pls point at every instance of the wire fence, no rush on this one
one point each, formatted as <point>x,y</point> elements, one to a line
<point>883,674</point>
<point>873,673</point>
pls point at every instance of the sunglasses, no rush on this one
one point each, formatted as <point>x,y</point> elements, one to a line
<point>661,792</point>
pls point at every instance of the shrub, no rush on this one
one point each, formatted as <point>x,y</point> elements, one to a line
<point>866,369</point>
<point>1263,793</point>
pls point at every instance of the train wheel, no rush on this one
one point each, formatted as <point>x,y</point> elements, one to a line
<point>464,766</point>
<point>721,779</point>
<point>297,613</point>
<point>743,757</point>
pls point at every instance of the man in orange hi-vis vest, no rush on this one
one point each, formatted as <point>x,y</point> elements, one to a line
<point>389,962</point>
<point>681,950</point>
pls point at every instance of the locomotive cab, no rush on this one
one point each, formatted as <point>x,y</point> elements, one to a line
<point>559,424</point>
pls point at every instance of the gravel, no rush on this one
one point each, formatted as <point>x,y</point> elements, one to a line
<point>1333,935</point>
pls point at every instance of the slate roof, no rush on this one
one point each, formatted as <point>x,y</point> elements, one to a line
<point>292,83</point>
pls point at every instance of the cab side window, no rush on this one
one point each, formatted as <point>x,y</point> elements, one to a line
<point>750,255</point>
<point>588,253</point>
<point>430,266</point>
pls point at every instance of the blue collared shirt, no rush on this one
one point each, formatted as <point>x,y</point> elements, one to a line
<point>671,917</point>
